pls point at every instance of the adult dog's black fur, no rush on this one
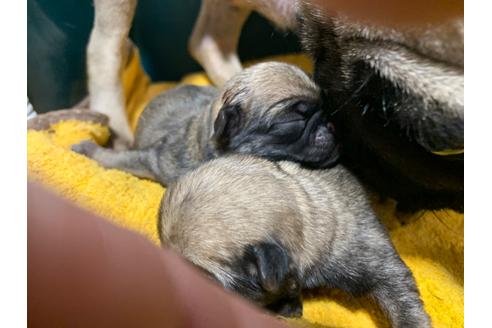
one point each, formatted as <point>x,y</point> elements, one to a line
<point>396,98</point>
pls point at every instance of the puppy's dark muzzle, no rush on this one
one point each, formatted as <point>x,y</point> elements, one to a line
<point>324,135</point>
<point>324,149</point>
<point>332,159</point>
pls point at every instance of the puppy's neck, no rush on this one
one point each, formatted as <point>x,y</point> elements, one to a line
<point>208,146</point>
<point>213,111</point>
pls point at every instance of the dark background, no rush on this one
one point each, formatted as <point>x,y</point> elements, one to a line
<point>58,32</point>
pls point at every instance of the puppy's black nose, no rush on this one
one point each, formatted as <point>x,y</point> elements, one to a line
<point>322,136</point>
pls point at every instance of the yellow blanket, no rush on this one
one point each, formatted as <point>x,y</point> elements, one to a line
<point>432,246</point>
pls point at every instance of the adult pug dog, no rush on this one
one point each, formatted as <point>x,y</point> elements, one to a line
<point>396,94</point>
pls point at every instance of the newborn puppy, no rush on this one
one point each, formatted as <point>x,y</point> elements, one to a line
<point>271,110</point>
<point>268,230</point>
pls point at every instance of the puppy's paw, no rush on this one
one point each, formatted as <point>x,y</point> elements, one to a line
<point>87,148</point>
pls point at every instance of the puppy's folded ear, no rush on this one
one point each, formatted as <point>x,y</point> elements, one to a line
<point>273,265</point>
<point>226,125</point>
<point>270,269</point>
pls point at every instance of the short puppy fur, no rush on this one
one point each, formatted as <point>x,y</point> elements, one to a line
<point>272,110</point>
<point>268,230</point>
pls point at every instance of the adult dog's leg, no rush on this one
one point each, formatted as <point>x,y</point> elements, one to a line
<point>282,13</point>
<point>105,58</point>
<point>214,39</point>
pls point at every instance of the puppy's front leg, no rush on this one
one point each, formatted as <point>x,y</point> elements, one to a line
<point>213,42</point>
<point>135,162</point>
<point>105,57</point>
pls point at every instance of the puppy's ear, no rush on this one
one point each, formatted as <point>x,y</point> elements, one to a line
<point>269,266</point>
<point>226,125</point>
<point>274,267</point>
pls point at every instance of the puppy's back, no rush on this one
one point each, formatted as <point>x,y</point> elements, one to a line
<point>170,112</point>
<point>226,197</point>
<point>259,200</point>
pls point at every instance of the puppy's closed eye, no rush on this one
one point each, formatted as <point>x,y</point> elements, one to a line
<point>304,108</point>
<point>291,123</point>
<point>288,118</point>
<point>290,127</point>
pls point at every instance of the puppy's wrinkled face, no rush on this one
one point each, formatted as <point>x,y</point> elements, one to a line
<point>274,110</point>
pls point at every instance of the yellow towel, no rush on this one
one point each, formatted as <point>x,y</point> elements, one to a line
<point>432,246</point>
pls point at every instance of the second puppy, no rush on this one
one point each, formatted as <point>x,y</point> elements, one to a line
<point>272,110</point>
<point>268,230</point>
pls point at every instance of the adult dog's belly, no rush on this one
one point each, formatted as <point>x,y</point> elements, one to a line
<point>389,162</point>
<point>390,136</point>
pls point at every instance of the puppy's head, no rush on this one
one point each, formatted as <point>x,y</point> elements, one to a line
<point>274,110</point>
<point>237,222</point>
